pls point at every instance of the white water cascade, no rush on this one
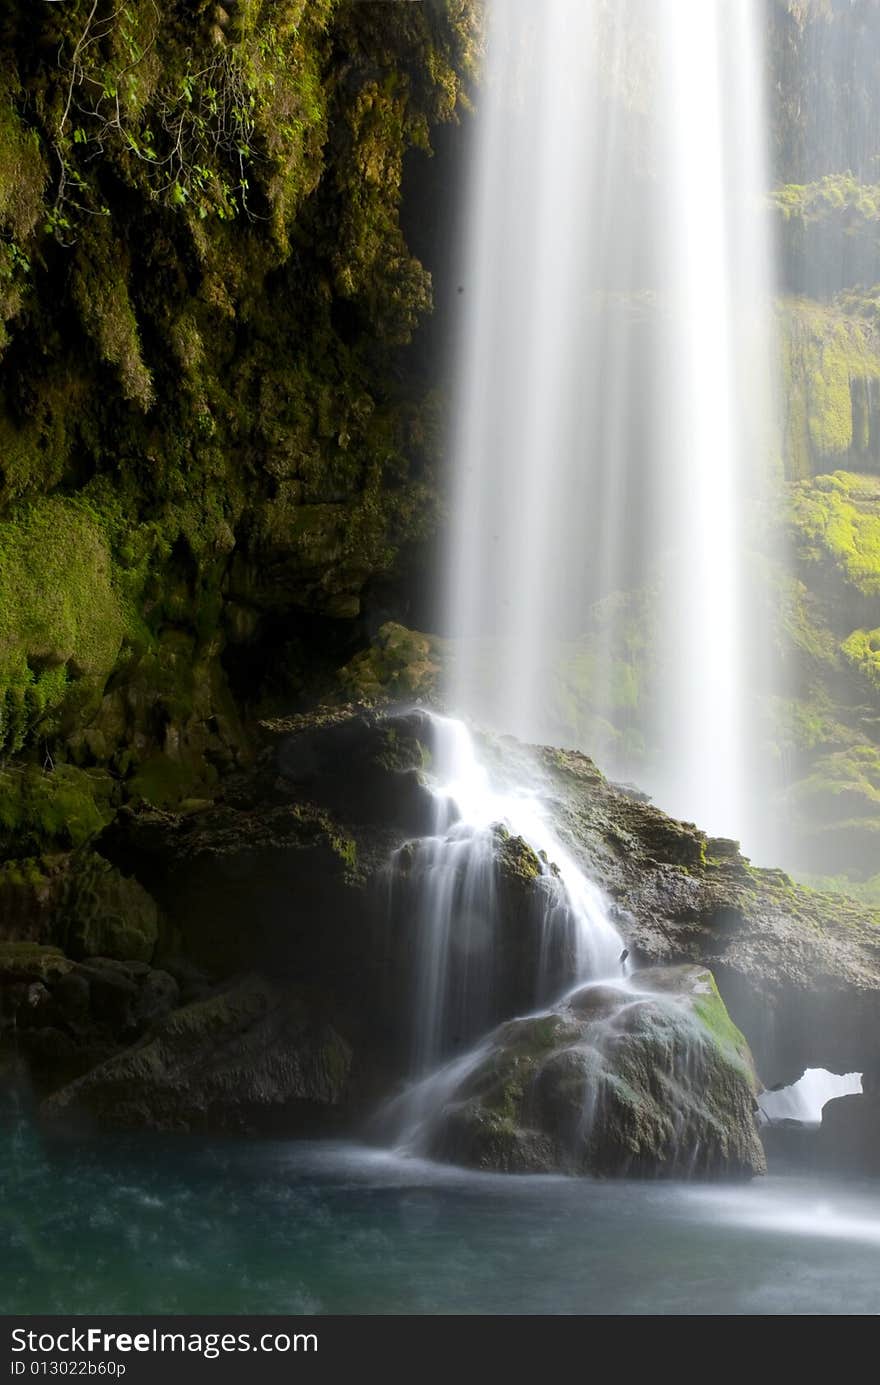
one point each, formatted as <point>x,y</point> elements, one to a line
<point>476,964</point>
<point>513,944</point>
<point>480,958</point>
<point>613,400</point>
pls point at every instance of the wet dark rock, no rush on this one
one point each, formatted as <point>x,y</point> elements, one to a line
<point>596,1002</point>
<point>250,1057</point>
<point>63,1015</point>
<point>304,869</point>
<point>363,768</point>
<point>849,1136</point>
<point>311,871</point>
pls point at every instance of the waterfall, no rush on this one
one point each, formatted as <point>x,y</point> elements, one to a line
<point>483,955</point>
<point>716,265</point>
<point>518,967</point>
<point>614,399</point>
<point>612,423</point>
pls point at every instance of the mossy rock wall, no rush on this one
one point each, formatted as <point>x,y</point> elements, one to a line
<point>830,387</point>
<point>209,429</point>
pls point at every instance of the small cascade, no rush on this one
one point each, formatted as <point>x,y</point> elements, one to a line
<point>486,947</point>
<point>532,1048</point>
<point>518,970</point>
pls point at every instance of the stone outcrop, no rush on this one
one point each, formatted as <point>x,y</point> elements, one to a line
<point>650,1078</point>
<point>250,1057</point>
<point>849,1136</point>
<point>287,875</point>
<point>59,1017</point>
<point>798,969</point>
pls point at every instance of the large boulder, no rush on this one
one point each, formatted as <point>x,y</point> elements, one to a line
<point>648,1077</point>
<point>60,1016</point>
<point>252,1056</point>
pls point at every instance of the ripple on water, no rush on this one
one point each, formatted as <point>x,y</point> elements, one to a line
<point>178,1226</point>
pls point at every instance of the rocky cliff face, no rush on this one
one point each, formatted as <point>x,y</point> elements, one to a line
<point>213,446</point>
<point>238,967</point>
<point>827,125</point>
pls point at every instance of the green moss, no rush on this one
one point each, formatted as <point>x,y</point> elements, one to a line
<point>802,623</point>
<point>810,723</point>
<point>60,809</point>
<point>713,1016</point>
<point>61,619</point>
<point>842,785</point>
<point>33,450</point>
<point>101,293</point>
<point>22,183</point>
<point>866,891</point>
<point>22,171</point>
<point>504,1080</point>
<point>862,650</point>
<point>200,409</point>
<point>399,663</point>
<point>827,198</point>
<point>165,782</point>
<point>837,518</point>
<point>515,857</point>
<point>104,914</point>
<point>22,874</point>
<point>345,848</point>
<point>831,359</point>
<point>833,221</point>
<point>26,961</point>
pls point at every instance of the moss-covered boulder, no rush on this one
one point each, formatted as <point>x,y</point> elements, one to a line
<point>649,1077</point>
<point>60,1017</point>
<point>80,902</point>
<point>250,1057</point>
<point>399,663</point>
<point>106,914</point>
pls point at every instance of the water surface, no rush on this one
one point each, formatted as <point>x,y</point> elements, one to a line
<point>176,1226</point>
